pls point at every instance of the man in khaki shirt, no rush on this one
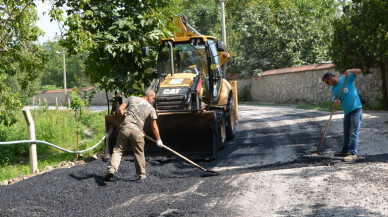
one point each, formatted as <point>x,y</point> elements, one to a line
<point>135,110</point>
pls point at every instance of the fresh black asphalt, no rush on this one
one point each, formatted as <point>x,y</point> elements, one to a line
<point>172,187</point>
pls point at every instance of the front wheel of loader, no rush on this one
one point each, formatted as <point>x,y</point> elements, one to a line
<point>220,129</point>
<point>230,119</point>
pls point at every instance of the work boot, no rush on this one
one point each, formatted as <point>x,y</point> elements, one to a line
<point>350,158</point>
<point>108,176</point>
<point>141,177</point>
<point>341,154</point>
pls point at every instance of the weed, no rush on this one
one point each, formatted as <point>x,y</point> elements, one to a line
<point>379,102</point>
<point>54,126</point>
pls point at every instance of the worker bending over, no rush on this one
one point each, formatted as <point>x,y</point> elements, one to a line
<point>135,111</point>
<point>351,104</point>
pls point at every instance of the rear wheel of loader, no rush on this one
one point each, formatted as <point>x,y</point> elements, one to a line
<point>230,119</point>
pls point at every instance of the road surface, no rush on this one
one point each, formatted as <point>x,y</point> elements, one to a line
<point>265,171</point>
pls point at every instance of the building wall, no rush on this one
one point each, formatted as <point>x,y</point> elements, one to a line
<point>58,96</point>
<point>307,86</point>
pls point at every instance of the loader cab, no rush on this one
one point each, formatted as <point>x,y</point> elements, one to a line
<point>186,59</point>
<point>194,56</point>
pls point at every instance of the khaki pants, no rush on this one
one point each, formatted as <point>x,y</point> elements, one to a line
<point>135,139</point>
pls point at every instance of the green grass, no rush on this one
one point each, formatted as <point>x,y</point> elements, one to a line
<point>53,126</point>
<point>321,106</point>
<point>9,170</point>
<point>259,103</point>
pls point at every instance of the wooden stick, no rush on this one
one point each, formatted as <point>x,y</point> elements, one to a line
<point>327,126</point>
<point>181,156</point>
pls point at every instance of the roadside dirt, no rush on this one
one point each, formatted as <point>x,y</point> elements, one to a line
<point>324,187</point>
<point>266,171</point>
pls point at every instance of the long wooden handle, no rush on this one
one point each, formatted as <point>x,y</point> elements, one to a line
<point>331,115</point>
<point>327,127</point>
<point>176,153</point>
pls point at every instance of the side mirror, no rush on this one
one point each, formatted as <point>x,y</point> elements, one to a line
<point>221,46</point>
<point>145,51</point>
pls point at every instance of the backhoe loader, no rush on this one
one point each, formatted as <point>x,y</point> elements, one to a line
<point>196,106</point>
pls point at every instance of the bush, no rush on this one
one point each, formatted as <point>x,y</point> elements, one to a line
<point>49,87</point>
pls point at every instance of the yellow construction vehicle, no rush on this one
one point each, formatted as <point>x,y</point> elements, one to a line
<point>196,106</point>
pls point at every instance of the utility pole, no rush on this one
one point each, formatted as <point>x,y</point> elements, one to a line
<point>223,21</point>
<point>64,71</point>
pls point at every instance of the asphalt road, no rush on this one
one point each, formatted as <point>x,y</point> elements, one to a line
<point>265,171</point>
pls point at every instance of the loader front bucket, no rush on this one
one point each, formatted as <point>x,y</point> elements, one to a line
<point>189,133</point>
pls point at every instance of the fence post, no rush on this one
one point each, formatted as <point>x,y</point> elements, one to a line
<point>31,136</point>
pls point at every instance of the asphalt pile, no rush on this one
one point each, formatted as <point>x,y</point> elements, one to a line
<point>81,191</point>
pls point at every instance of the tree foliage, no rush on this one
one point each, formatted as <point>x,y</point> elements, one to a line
<point>268,34</point>
<point>203,15</point>
<point>283,33</point>
<point>52,73</point>
<point>113,33</point>
<point>20,57</point>
<point>361,39</point>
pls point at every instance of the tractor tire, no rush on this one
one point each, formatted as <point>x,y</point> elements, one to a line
<point>230,119</point>
<point>220,128</point>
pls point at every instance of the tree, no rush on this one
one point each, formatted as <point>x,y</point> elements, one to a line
<point>20,57</point>
<point>52,73</point>
<point>113,33</point>
<point>360,39</point>
<point>282,33</point>
<point>205,17</point>
<point>78,106</point>
<point>267,34</point>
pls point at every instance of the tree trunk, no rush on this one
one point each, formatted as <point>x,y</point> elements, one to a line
<point>384,87</point>
<point>107,100</point>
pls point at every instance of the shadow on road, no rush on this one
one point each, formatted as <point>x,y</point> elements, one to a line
<point>99,179</point>
<point>321,209</point>
<point>307,161</point>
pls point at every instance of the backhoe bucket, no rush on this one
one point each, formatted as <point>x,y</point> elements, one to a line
<point>189,133</point>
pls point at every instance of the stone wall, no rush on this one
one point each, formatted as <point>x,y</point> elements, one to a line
<point>296,84</point>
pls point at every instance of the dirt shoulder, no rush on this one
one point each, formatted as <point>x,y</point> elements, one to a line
<point>325,187</point>
<point>358,189</point>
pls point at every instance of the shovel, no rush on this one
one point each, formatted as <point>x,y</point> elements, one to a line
<point>327,126</point>
<point>184,158</point>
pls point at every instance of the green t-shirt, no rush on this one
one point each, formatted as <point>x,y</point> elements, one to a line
<point>137,111</point>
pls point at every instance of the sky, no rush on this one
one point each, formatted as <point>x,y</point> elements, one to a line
<point>50,28</point>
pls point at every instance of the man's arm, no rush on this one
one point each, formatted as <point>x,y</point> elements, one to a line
<point>122,108</point>
<point>354,71</point>
<point>155,129</point>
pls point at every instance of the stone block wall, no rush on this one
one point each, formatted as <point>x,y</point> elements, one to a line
<point>296,84</point>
